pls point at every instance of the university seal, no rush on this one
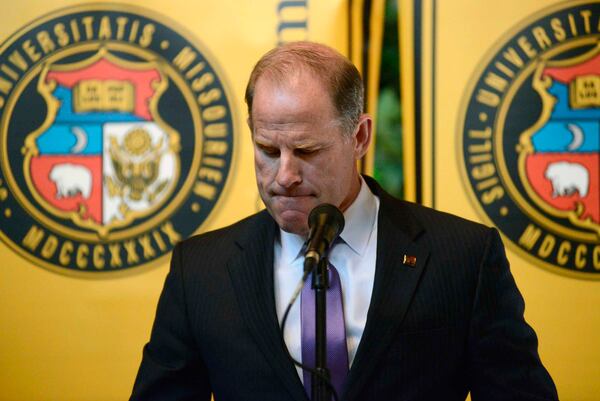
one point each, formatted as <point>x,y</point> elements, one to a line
<point>117,137</point>
<point>530,139</point>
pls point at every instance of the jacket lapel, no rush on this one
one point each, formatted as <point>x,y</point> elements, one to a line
<point>251,272</point>
<point>396,280</point>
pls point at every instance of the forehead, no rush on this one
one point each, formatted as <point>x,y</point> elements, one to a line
<point>297,96</point>
<point>290,75</point>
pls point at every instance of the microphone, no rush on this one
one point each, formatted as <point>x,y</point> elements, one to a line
<point>325,222</point>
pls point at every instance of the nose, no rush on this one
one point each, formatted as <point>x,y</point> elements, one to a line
<point>289,172</point>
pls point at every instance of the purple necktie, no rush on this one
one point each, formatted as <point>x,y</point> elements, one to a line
<point>337,351</point>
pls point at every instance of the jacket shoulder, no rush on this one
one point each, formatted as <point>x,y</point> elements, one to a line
<point>432,218</point>
<point>229,237</point>
<point>415,219</point>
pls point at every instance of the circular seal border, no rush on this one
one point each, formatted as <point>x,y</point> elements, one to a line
<point>466,98</point>
<point>191,39</point>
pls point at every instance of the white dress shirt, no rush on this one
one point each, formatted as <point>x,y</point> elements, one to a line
<point>354,258</point>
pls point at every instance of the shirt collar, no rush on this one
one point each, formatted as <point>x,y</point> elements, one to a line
<point>291,245</point>
<point>359,220</point>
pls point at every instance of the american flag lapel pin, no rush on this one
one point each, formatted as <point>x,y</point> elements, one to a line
<point>409,260</point>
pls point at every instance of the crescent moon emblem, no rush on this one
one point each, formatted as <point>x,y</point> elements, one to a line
<point>81,139</point>
<point>577,133</point>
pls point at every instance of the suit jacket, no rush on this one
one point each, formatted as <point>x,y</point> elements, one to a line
<point>452,323</point>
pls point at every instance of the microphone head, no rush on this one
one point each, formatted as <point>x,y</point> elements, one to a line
<point>329,217</point>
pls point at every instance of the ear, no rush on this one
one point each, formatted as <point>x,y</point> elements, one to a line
<point>362,136</point>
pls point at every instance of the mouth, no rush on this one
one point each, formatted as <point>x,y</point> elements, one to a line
<point>295,201</point>
<point>292,196</point>
<point>293,193</point>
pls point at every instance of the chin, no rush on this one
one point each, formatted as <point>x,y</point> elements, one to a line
<point>298,227</point>
<point>290,220</point>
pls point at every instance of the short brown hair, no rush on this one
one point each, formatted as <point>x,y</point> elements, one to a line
<point>339,75</point>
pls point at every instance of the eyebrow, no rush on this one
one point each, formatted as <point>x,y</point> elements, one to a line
<point>302,143</point>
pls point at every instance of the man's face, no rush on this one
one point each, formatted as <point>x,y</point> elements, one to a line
<point>301,157</point>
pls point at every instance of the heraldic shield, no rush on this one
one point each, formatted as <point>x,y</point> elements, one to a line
<point>103,157</point>
<point>559,159</point>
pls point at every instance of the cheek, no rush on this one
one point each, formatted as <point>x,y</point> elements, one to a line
<point>340,176</point>
<point>263,168</point>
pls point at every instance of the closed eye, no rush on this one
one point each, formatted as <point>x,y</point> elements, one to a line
<point>268,150</point>
<point>305,152</point>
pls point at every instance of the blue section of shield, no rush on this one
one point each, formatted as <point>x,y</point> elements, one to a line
<point>76,139</point>
<point>567,136</point>
<point>562,109</point>
<point>67,115</point>
<point>76,133</point>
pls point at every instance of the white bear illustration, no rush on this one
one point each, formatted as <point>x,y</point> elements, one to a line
<point>567,178</point>
<point>71,179</point>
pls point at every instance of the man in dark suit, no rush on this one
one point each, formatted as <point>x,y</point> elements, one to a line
<point>432,311</point>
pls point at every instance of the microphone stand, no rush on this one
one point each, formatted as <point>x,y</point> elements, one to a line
<point>320,391</point>
<point>326,222</point>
